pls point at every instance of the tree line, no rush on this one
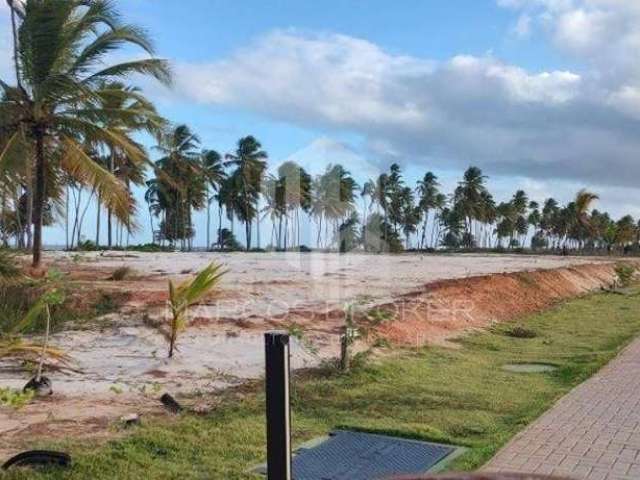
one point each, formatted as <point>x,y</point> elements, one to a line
<point>68,127</point>
<point>383,214</point>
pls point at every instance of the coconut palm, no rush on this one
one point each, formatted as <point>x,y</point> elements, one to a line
<point>333,198</point>
<point>181,183</point>
<point>250,164</point>
<point>468,197</point>
<point>368,190</point>
<point>427,191</point>
<point>295,185</point>
<point>57,108</point>
<point>213,169</point>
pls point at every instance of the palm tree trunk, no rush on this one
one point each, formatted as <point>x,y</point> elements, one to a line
<point>208,221</point>
<point>5,241</point>
<point>286,231</point>
<point>153,235</point>
<point>84,212</point>
<point>219,221</point>
<point>29,220</point>
<point>66,217</point>
<point>247,230</point>
<point>40,195</point>
<point>258,229</point>
<point>109,224</point>
<point>99,208</point>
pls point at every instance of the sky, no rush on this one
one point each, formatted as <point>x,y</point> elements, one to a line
<point>541,94</point>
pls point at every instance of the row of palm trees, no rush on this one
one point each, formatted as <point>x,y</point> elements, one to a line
<point>67,128</point>
<point>393,214</point>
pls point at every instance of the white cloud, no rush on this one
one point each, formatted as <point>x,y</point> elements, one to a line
<point>453,113</point>
<point>339,79</point>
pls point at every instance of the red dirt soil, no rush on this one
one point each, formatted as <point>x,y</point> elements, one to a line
<point>446,309</point>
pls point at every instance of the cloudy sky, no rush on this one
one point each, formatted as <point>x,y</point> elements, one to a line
<point>541,94</point>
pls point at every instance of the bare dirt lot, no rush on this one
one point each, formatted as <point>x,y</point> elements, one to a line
<point>121,360</point>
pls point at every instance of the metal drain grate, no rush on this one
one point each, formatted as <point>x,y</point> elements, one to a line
<point>364,456</point>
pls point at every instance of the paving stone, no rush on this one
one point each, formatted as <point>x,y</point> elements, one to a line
<point>592,433</point>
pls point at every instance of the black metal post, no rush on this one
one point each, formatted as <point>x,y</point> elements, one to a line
<point>278,407</point>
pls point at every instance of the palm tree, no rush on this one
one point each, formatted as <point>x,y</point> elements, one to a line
<point>411,215</point>
<point>138,112</point>
<point>250,164</point>
<point>273,193</point>
<point>57,106</point>
<point>181,183</point>
<point>581,223</point>
<point>213,168</point>
<point>468,197</point>
<point>427,190</point>
<point>296,193</point>
<point>368,190</point>
<point>333,198</point>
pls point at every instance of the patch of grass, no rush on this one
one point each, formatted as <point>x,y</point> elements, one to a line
<point>459,396</point>
<point>520,331</point>
<point>378,316</point>
<point>15,399</point>
<point>121,273</point>
<point>106,304</point>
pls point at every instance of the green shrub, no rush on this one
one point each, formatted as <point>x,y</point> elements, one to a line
<point>625,273</point>
<point>121,273</point>
<point>10,397</point>
<point>9,270</point>
<point>518,331</point>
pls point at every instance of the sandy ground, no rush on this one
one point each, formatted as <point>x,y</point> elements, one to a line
<point>122,365</point>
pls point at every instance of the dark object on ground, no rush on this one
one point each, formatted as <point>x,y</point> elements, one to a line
<point>363,456</point>
<point>519,331</point>
<point>170,403</point>
<point>42,387</point>
<point>483,476</point>
<point>34,458</point>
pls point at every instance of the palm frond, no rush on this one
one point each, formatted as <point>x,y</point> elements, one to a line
<point>155,67</point>
<point>86,171</point>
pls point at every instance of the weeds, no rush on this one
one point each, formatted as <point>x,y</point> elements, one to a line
<point>16,399</point>
<point>105,305</point>
<point>121,273</point>
<point>625,273</point>
<point>9,271</point>
<point>296,331</point>
<point>519,331</point>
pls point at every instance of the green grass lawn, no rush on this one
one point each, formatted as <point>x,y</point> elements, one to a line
<point>455,396</point>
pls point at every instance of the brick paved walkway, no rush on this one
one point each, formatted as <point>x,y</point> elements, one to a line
<point>591,433</point>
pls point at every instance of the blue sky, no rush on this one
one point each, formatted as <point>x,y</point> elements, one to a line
<point>539,93</point>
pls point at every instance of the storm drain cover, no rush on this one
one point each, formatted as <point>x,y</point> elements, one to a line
<point>364,456</point>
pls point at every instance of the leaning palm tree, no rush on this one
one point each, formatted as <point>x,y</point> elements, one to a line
<point>250,164</point>
<point>58,106</point>
<point>582,227</point>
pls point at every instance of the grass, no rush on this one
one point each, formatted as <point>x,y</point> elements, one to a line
<point>459,396</point>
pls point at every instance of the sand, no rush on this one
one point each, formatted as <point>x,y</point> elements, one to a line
<point>121,361</point>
